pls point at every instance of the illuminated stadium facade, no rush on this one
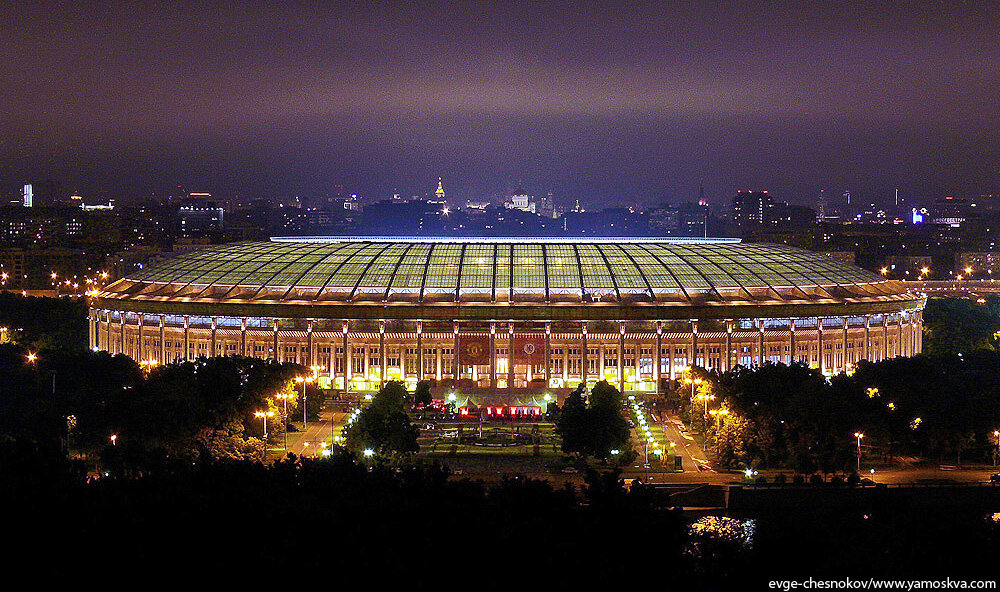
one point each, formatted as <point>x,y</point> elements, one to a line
<point>633,312</point>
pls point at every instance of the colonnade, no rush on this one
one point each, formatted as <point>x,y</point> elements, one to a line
<point>636,357</point>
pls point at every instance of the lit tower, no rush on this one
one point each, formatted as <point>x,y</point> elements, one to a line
<point>439,192</point>
<point>27,196</point>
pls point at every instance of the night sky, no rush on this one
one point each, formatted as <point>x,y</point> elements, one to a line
<point>605,103</point>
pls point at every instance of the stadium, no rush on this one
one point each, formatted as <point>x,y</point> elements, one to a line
<point>514,317</point>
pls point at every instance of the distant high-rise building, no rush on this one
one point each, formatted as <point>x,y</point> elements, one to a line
<point>547,207</point>
<point>752,207</point>
<point>27,195</point>
<point>198,214</point>
<point>821,206</point>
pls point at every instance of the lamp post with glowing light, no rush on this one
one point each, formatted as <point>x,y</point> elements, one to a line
<point>859,435</point>
<point>718,415</point>
<point>705,399</point>
<point>284,399</point>
<point>264,415</point>
<point>304,380</point>
<point>693,382</point>
<point>996,434</point>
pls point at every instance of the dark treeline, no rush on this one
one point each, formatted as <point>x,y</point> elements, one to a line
<point>332,516</point>
<point>942,408</point>
<point>961,325</point>
<point>339,518</point>
<point>82,398</point>
<point>44,323</point>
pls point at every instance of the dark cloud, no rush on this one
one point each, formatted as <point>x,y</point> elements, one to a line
<point>620,102</point>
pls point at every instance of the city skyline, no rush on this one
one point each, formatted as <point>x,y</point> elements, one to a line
<point>608,105</point>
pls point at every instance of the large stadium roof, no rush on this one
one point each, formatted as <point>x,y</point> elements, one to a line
<point>359,270</point>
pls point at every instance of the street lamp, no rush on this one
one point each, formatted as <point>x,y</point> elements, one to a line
<point>859,435</point>
<point>263,415</point>
<point>304,380</point>
<point>284,399</point>
<point>705,399</point>
<point>996,434</point>
<point>32,357</point>
<point>114,439</point>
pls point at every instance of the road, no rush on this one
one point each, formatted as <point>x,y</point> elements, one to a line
<point>928,475</point>
<point>694,461</point>
<point>308,443</point>
<point>693,458</point>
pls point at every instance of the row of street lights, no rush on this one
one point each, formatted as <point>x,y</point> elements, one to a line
<point>284,397</point>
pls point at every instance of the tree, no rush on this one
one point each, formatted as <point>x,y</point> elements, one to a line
<point>393,396</point>
<point>572,423</point>
<point>422,394</point>
<point>730,439</point>
<point>605,395</point>
<point>959,325</point>
<point>595,430</point>
<point>384,427</point>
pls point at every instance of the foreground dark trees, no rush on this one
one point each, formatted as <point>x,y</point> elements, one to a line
<point>82,398</point>
<point>325,518</point>
<point>336,517</point>
<point>944,408</point>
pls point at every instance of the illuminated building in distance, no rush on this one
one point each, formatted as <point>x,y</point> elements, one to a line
<point>522,316</point>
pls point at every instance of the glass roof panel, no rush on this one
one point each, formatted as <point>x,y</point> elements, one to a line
<point>442,273</point>
<point>202,264</point>
<point>410,274</point>
<point>503,266</point>
<point>596,276</point>
<point>477,267</point>
<point>381,270</point>
<point>172,268</point>
<point>636,265</point>
<point>657,273</point>
<point>627,275</point>
<point>244,266</point>
<point>712,271</point>
<point>346,277</point>
<point>290,273</point>
<point>529,267</point>
<point>687,275</point>
<point>564,273</point>
<point>744,270</point>
<point>321,271</point>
